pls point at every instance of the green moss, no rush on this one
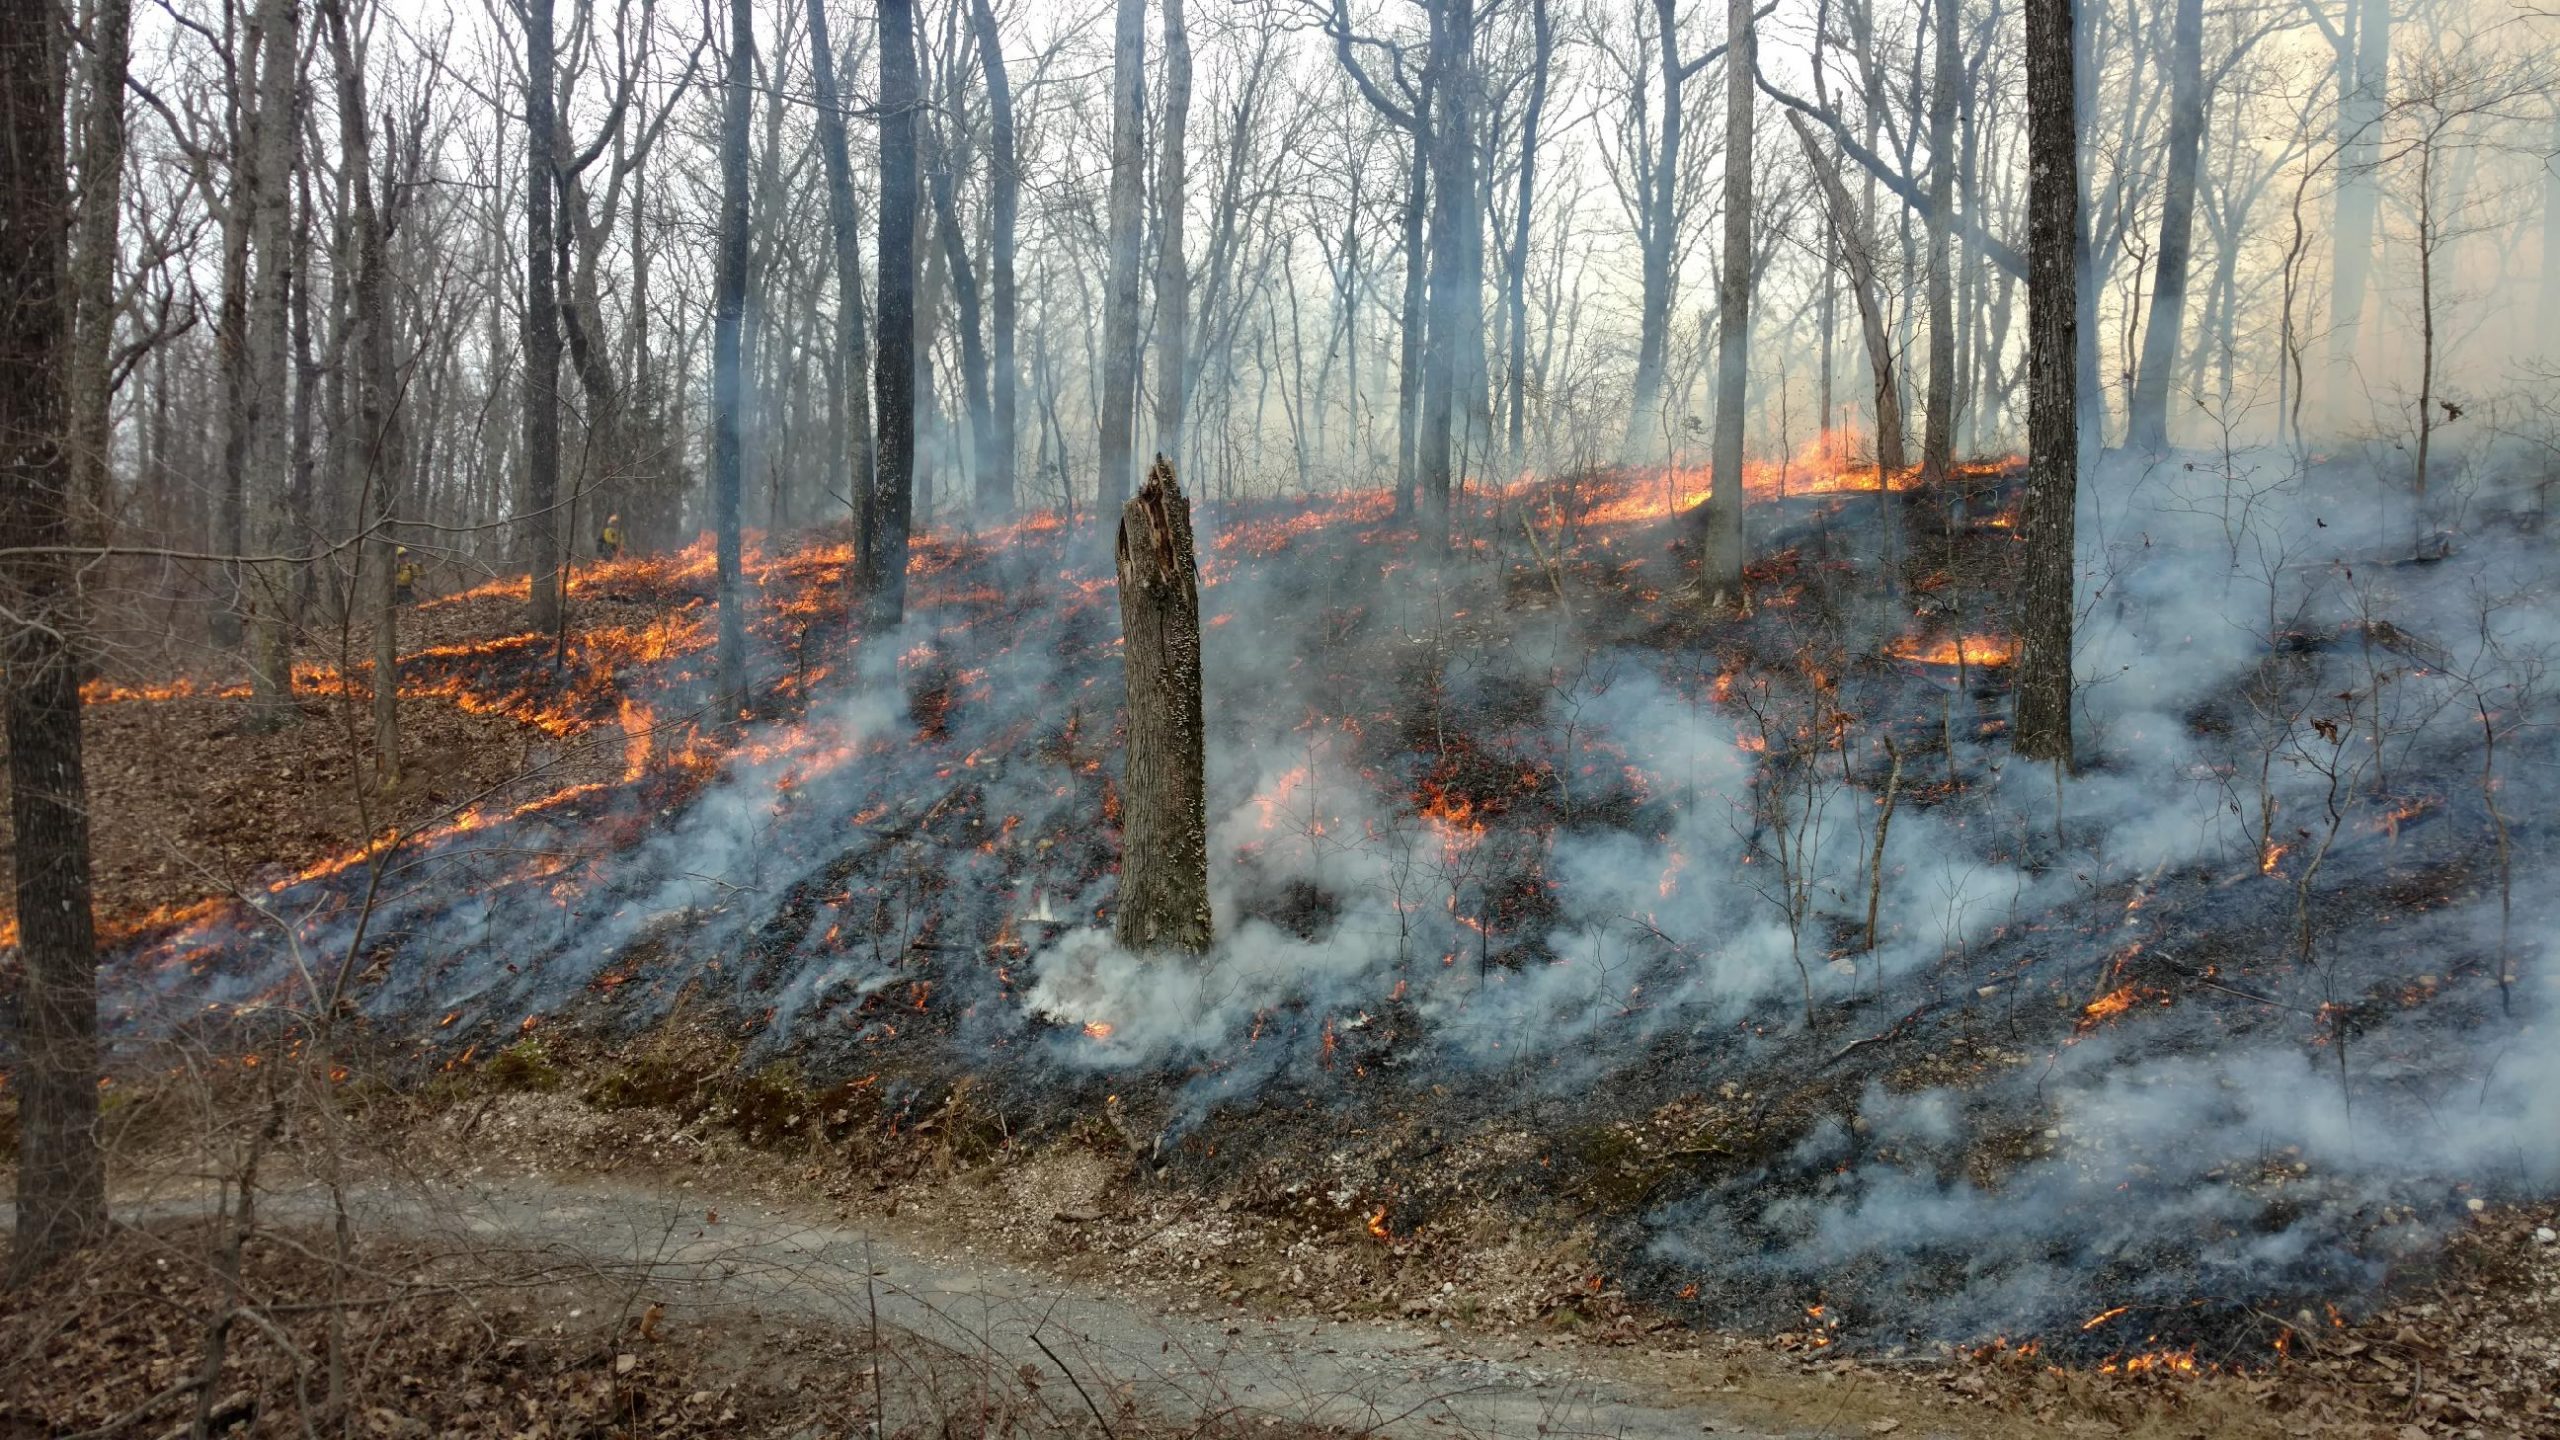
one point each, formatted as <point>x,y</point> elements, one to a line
<point>525,1065</point>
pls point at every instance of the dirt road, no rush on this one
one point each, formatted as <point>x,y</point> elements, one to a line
<point>704,1257</point>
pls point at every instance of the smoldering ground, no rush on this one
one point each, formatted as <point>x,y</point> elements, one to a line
<point>2111,1047</point>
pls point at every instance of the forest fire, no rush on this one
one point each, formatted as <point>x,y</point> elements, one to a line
<point>933,811</point>
<point>1363,658</point>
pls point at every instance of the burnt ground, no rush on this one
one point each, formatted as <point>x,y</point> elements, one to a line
<point>1700,1170</point>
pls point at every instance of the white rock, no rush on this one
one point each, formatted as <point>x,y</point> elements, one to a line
<point>2545,1235</point>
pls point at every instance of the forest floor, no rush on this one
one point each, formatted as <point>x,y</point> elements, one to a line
<point>189,801</point>
<point>522,1217</point>
<point>526,1260</point>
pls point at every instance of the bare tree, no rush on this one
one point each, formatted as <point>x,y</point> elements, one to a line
<point>1120,305</point>
<point>1857,255</point>
<point>1542,54</point>
<point>96,227</point>
<point>1720,563</point>
<point>374,460</point>
<point>1455,239</point>
<point>849,426</point>
<point>270,453</point>
<point>1173,278</point>
<point>2048,519</point>
<point>996,489</point>
<point>1938,408</point>
<point>728,367</point>
<point>62,1200</point>
<point>894,373</point>
<point>2147,426</point>
<point>541,326</point>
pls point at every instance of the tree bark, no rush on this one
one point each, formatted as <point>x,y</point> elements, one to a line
<point>2550,327</point>
<point>93,274</point>
<point>996,497</point>
<point>1645,440</point>
<point>849,428</point>
<point>1453,288</point>
<point>1412,316</point>
<point>231,346</point>
<point>2148,426</point>
<point>894,375</point>
<point>270,460</point>
<point>541,326</point>
<point>728,369</point>
<point>1720,558</point>
<point>1164,858</point>
<point>2042,729</point>
<point>2362,87</point>
<point>1858,254</point>
<point>1543,46</point>
<point>1173,277</point>
<point>1120,303</point>
<point>969,319</point>
<point>378,453</point>
<point>61,1200</point>
<point>1937,440</point>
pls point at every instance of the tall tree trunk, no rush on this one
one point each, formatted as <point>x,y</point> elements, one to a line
<point>1938,431</point>
<point>1173,277</point>
<point>2148,426</point>
<point>894,375</point>
<point>93,261</point>
<point>541,326</point>
<point>1120,303</point>
<point>1543,45</point>
<point>1858,254</point>
<point>996,498</point>
<point>1452,289</point>
<point>270,438</point>
<point>2362,94</point>
<point>728,360</point>
<point>1720,559</point>
<point>1827,319</point>
<point>849,424</point>
<point>2042,729</point>
<point>2550,326</point>
<point>231,343</point>
<point>1164,824</point>
<point>969,320</point>
<point>1413,317</point>
<point>377,456</point>
<point>1645,438</point>
<point>62,1200</point>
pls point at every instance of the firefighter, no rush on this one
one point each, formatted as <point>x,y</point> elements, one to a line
<point>404,577</point>
<point>609,539</point>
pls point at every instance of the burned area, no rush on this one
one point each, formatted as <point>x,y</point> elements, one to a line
<point>1748,942</point>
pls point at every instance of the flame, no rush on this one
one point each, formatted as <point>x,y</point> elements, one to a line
<point>2114,1003</point>
<point>1097,1029</point>
<point>1378,1225</point>
<point>1271,804</point>
<point>1979,649</point>
<point>2174,1362</point>
<point>636,739</point>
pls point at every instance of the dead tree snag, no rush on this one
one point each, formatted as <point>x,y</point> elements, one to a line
<point>1164,857</point>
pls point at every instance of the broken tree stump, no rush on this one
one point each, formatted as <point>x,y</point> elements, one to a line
<point>1164,853</point>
